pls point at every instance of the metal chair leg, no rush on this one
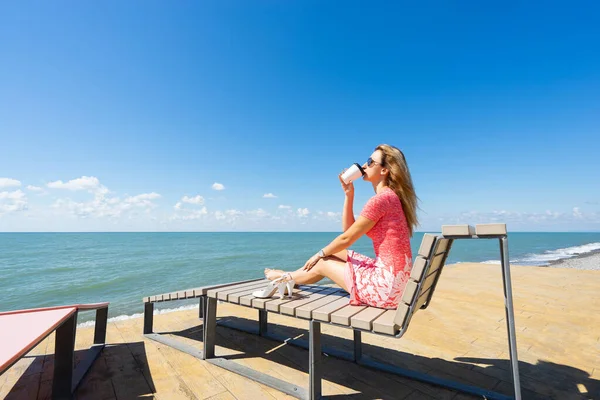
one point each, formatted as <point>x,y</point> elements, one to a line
<point>510,316</point>
<point>64,351</point>
<point>148,317</point>
<point>315,362</point>
<point>210,328</point>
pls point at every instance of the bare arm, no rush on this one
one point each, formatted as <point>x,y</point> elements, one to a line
<point>348,210</point>
<point>361,226</point>
<point>348,213</point>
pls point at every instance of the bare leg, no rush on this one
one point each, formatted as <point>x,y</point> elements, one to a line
<point>331,267</point>
<point>273,274</point>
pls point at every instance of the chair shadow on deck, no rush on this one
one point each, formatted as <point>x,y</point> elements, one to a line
<point>121,371</point>
<point>544,380</point>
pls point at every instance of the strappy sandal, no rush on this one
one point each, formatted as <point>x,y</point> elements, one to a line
<point>286,283</point>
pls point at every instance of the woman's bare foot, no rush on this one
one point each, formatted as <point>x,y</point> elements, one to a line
<point>272,274</point>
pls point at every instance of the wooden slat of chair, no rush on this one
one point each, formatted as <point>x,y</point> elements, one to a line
<point>410,291</point>
<point>235,297</point>
<point>343,315</point>
<point>426,245</point>
<point>422,299</point>
<point>260,304</point>
<point>436,262</point>
<point>457,230</point>
<point>441,246</point>
<point>309,290</point>
<point>401,314</point>
<point>324,313</point>
<point>428,282</point>
<point>228,295</point>
<point>418,268</point>
<point>219,293</point>
<point>290,308</point>
<point>385,323</point>
<point>490,229</point>
<point>306,310</point>
<point>364,319</point>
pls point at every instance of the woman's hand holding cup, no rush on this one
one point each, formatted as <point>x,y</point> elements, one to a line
<point>348,187</point>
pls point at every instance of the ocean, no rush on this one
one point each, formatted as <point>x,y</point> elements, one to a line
<point>46,269</point>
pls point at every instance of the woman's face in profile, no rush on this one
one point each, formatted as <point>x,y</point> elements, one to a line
<point>373,167</point>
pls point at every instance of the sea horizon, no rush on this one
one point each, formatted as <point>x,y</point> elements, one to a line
<point>122,267</point>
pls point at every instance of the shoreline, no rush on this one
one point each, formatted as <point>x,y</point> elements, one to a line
<point>585,261</point>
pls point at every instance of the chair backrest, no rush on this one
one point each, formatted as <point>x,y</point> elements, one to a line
<point>424,275</point>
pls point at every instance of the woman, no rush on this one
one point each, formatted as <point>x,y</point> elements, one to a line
<point>388,219</point>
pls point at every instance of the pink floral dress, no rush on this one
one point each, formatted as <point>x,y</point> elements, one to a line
<point>380,282</point>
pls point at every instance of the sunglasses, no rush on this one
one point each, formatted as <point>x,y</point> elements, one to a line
<point>370,162</point>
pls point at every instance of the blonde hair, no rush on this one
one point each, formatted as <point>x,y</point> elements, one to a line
<point>400,181</point>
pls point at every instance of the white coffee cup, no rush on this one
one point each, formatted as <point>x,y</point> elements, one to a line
<point>353,173</point>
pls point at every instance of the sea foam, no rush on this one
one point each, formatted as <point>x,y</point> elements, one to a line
<point>138,315</point>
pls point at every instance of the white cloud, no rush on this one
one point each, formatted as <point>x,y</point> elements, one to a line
<point>101,206</point>
<point>87,183</point>
<point>218,186</point>
<point>303,212</point>
<point>35,188</point>
<point>193,214</point>
<point>258,213</point>
<point>141,200</point>
<point>269,196</point>
<point>198,200</point>
<point>12,202</point>
<point>108,207</point>
<point>186,214</point>
<point>283,207</point>
<point>332,214</point>
<point>531,219</point>
<point>8,182</point>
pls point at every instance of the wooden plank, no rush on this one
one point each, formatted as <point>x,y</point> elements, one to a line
<point>436,262</point>
<point>416,273</point>
<point>426,244</point>
<point>428,281</point>
<point>193,292</point>
<point>306,310</point>
<point>343,315</point>
<point>458,230</point>
<point>235,297</point>
<point>222,292</point>
<point>401,313</point>
<point>250,301</point>
<point>259,304</point>
<point>490,229</point>
<point>308,290</point>
<point>324,313</point>
<point>364,319</point>
<point>385,323</point>
<point>442,246</point>
<point>409,291</point>
<point>290,307</point>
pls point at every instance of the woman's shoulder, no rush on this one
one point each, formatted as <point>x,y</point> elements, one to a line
<point>387,196</point>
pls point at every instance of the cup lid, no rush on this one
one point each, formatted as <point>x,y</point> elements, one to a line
<point>360,168</point>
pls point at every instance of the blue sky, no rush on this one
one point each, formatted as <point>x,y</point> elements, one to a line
<point>123,115</point>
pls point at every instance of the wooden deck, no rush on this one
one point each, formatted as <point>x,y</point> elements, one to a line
<point>460,336</point>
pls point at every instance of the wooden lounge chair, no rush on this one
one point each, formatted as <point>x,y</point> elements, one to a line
<point>22,330</point>
<point>319,304</point>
